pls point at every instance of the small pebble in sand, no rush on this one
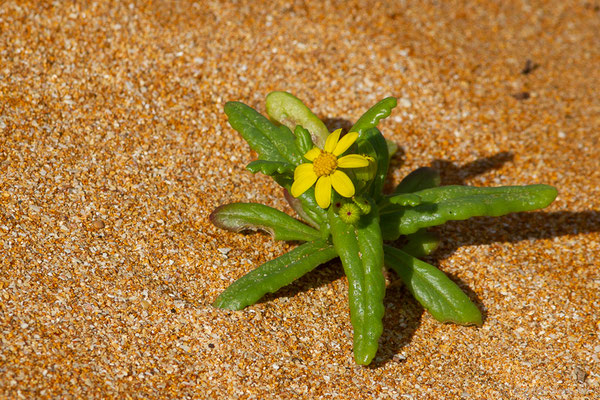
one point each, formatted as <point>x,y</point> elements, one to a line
<point>98,224</point>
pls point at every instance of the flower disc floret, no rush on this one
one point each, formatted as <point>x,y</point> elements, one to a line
<point>323,170</point>
<point>325,164</point>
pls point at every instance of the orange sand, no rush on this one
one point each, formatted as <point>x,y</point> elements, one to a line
<point>114,148</point>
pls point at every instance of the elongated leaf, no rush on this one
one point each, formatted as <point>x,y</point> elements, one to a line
<point>360,249</point>
<point>288,110</point>
<point>452,203</point>
<point>371,118</point>
<point>275,274</point>
<point>372,143</point>
<point>270,167</point>
<point>272,143</point>
<point>530,194</point>
<point>419,179</point>
<point>437,293</point>
<point>238,217</point>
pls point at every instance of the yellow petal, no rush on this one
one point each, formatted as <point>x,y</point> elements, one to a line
<point>352,161</point>
<point>342,184</point>
<point>332,140</point>
<point>303,180</point>
<point>323,191</point>
<point>345,142</point>
<point>312,154</point>
<point>303,169</point>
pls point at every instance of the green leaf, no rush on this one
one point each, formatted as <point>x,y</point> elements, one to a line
<point>303,139</point>
<point>239,217</point>
<point>452,203</point>
<point>371,118</point>
<point>272,143</point>
<point>419,179</point>
<point>372,143</point>
<point>421,243</point>
<point>297,206</point>
<point>392,147</point>
<point>288,110</point>
<point>275,274</point>
<point>360,249</point>
<point>308,202</point>
<point>405,199</point>
<point>437,293</point>
<point>269,167</point>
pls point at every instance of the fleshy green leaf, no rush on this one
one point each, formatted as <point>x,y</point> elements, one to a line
<point>360,249</point>
<point>272,143</point>
<point>372,143</point>
<point>269,167</point>
<point>239,217</point>
<point>288,110</point>
<point>452,203</point>
<point>371,118</point>
<point>307,200</point>
<point>437,293</point>
<point>275,274</point>
<point>405,199</point>
<point>296,205</point>
<point>392,147</point>
<point>421,243</point>
<point>420,179</point>
<point>303,139</point>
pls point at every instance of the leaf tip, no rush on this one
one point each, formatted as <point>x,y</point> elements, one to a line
<point>552,193</point>
<point>230,106</point>
<point>214,216</point>
<point>363,358</point>
<point>222,304</point>
<point>393,101</point>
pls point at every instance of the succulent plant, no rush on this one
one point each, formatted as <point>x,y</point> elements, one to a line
<point>335,185</point>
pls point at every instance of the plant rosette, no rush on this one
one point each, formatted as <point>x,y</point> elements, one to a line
<point>334,183</point>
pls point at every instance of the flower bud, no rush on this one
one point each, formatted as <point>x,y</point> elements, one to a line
<point>349,213</point>
<point>363,204</point>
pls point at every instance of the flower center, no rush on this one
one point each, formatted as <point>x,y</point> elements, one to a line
<point>325,164</point>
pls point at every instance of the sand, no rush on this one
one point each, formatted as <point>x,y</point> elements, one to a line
<point>114,149</point>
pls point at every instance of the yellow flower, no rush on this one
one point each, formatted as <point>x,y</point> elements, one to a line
<point>324,169</point>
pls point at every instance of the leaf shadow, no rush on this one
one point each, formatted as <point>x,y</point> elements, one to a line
<point>322,275</point>
<point>452,174</point>
<point>517,227</point>
<point>402,317</point>
<point>408,317</point>
<point>336,123</point>
<point>401,309</point>
<point>510,228</point>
